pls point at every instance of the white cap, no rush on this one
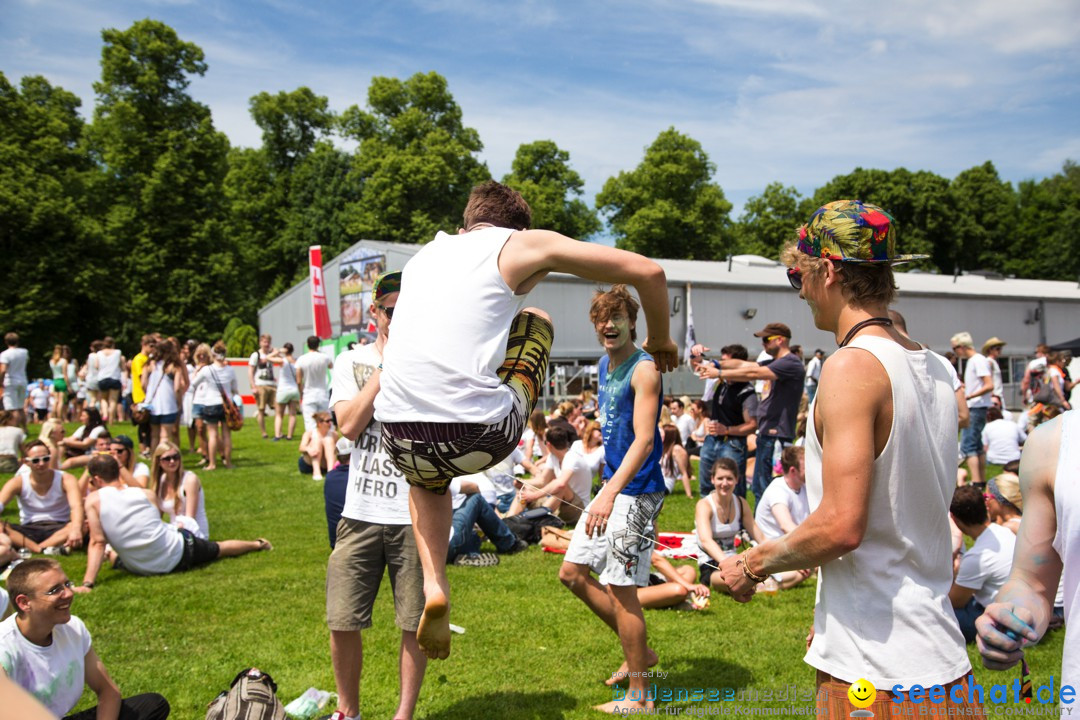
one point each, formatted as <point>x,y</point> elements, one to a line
<point>345,446</point>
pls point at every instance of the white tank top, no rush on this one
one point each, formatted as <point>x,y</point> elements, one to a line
<point>164,400</point>
<point>883,611</point>
<point>52,506</point>
<point>108,364</point>
<point>91,368</point>
<point>451,326</point>
<point>1067,541</point>
<point>169,507</point>
<point>723,533</point>
<point>133,526</point>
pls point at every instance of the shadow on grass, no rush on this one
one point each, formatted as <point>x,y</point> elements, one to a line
<point>509,706</point>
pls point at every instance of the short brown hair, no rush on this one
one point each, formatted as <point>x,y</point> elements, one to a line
<point>11,339</point>
<point>861,283</point>
<point>22,577</point>
<point>604,304</point>
<point>104,467</point>
<point>495,203</point>
<point>790,457</point>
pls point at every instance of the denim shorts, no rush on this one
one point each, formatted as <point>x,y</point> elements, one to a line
<point>166,419</point>
<point>971,439</point>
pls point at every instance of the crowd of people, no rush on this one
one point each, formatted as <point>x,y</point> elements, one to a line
<point>867,469</point>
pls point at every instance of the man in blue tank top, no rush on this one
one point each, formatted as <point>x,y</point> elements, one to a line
<point>615,537</point>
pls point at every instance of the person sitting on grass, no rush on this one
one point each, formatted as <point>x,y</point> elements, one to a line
<point>335,488</point>
<point>564,485</point>
<point>671,586</point>
<point>718,518</point>
<point>1003,499</point>
<point>782,508</point>
<point>133,472</point>
<point>50,505</point>
<point>317,447</point>
<point>470,510</point>
<point>985,567</point>
<point>47,651</point>
<point>179,492</point>
<point>674,460</point>
<point>129,519</point>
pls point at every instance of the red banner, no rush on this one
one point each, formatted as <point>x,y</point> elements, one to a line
<point>319,309</point>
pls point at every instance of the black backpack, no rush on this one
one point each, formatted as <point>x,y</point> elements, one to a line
<point>252,696</point>
<point>528,524</point>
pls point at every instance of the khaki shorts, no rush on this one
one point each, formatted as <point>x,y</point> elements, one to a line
<point>265,395</point>
<point>355,570</point>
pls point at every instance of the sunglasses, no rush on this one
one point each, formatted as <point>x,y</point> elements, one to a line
<point>57,589</point>
<point>794,276</point>
<point>170,458</point>
<point>388,310</point>
<point>39,460</point>
<point>770,338</point>
<point>117,450</point>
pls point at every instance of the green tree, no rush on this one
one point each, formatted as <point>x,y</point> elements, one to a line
<point>986,211</point>
<point>1046,244</point>
<point>50,244</point>
<point>668,206</point>
<point>769,221</point>
<point>291,123</point>
<point>920,203</point>
<point>159,190</point>
<point>416,162</point>
<point>542,174</point>
<point>243,341</point>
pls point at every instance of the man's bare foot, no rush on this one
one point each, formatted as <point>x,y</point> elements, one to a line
<point>618,706</point>
<point>651,659</point>
<point>433,634</point>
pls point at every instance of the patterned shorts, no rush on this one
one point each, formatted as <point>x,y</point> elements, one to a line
<point>431,454</point>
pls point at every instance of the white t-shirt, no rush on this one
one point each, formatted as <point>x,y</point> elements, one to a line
<point>54,674</point>
<point>39,397</point>
<point>94,434</point>
<point>1003,439</point>
<point>15,359</point>
<point>11,437</point>
<point>686,425</point>
<point>287,377</point>
<point>978,367</point>
<point>264,369</point>
<point>313,366</point>
<point>594,458</point>
<point>377,491</point>
<point>210,381</point>
<point>986,566</point>
<point>108,362</point>
<point>780,493</point>
<point>487,490</point>
<point>141,470</point>
<point>995,374</point>
<point>813,371</point>
<point>581,479</point>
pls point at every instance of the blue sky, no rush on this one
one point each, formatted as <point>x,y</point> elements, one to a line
<point>795,91</point>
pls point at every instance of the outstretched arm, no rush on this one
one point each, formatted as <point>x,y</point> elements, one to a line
<point>529,255</point>
<point>1023,605</point>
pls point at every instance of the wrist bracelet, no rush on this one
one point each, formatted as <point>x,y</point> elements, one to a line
<point>741,562</point>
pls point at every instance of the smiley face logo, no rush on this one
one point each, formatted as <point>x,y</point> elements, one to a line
<point>861,693</point>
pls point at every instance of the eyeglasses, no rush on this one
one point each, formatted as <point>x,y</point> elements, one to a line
<point>170,458</point>
<point>57,589</point>
<point>794,276</point>
<point>388,310</point>
<point>39,460</point>
<point>321,422</point>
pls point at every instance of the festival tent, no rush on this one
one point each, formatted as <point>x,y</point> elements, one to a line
<point>1072,346</point>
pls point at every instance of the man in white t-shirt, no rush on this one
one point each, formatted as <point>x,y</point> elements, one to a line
<point>564,486</point>
<point>375,530</point>
<point>978,391</point>
<point>13,374</point>
<point>472,498</point>
<point>39,400</point>
<point>311,377</point>
<point>46,650</point>
<point>682,420</point>
<point>263,382</point>
<point>992,349</point>
<point>985,567</point>
<point>1001,438</point>
<point>783,507</point>
<point>813,374</point>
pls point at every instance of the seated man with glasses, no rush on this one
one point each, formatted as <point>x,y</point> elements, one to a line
<point>46,650</point>
<point>129,519</point>
<point>50,504</point>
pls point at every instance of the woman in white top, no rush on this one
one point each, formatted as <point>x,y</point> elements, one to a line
<point>317,447</point>
<point>58,366</point>
<point>535,449</point>
<point>82,440</point>
<point>165,379</point>
<point>210,382</point>
<point>696,410</point>
<point>11,440</point>
<point>76,394</point>
<point>674,461</point>
<point>133,472</point>
<point>110,364</point>
<point>187,416</point>
<point>179,492</point>
<point>718,518</point>
<point>591,447</point>
<point>90,379</point>
<point>52,434</point>
<point>288,392</point>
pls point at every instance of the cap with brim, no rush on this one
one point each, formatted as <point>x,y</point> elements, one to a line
<point>774,329</point>
<point>389,282</point>
<point>852,231</point>
<point>992,343</point>
<point>344,446</point>
<point>123,440</point>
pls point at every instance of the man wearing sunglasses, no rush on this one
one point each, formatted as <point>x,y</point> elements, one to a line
<point>50,504</point>
<point>880,473</point>
<point>46,650</point>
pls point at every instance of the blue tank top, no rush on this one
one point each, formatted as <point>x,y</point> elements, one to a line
<point>615,412</point>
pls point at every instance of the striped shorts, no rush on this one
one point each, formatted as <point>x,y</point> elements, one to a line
<point>431,454</point>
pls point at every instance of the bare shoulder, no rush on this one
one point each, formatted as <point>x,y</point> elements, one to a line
<point>646,374</point>
<point>853,372</point>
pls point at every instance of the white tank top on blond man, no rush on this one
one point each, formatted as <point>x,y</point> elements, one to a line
<point>451,324</point>
<point>883,611</point>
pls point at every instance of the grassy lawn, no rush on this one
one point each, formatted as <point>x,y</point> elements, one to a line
<point>530,650</point>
